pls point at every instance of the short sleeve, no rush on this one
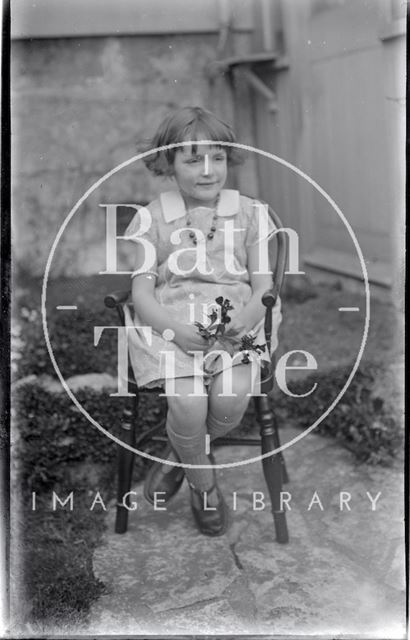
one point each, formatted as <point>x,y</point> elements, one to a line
<point>143,232</point>
<point>260,224</point>
<point>141,226</point>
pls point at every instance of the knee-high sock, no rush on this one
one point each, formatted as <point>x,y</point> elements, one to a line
<point>191,450</point>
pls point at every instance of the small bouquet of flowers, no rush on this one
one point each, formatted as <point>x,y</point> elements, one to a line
<point>216,331</point>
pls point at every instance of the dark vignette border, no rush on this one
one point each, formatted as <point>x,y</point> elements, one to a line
<point>5,290</point>
<point>407,430</point>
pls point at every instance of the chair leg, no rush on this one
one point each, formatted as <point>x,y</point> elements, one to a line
<point>276,440</point>
<point>125,467</point>
<point>272,465</point>
<point>285,475</point>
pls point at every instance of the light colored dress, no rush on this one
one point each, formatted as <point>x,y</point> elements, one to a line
<point>186,296</point>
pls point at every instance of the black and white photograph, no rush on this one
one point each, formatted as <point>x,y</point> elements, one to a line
<point>206,336</point>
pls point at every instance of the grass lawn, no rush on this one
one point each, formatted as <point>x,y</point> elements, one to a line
<point>58,581</point>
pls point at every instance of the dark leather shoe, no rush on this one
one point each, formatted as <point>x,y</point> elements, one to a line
<point>210,520</point>
<point>160,482</point>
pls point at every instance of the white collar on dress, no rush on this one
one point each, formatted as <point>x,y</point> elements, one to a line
<point>173,205</point>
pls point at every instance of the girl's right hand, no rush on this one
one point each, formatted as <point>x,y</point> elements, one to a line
<point>188,338</point>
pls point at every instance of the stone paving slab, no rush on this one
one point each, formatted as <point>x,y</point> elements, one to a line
<point>341,573</point>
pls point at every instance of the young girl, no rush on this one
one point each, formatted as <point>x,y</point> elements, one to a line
<point>209,243</point>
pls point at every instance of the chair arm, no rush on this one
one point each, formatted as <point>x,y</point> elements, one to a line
<point>269,299</point>
<point>270,296</point>
<point>116,298</point>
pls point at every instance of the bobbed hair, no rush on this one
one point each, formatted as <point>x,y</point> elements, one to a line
<point>189,123</point>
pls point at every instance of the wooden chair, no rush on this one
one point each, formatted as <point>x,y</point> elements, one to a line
<point>273,466</point>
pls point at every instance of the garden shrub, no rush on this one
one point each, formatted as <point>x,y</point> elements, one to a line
<point>73,345</point>
<point>57,445</point>
<point>367,424</point>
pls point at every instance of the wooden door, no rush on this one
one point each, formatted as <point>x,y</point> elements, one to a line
<point>338,120</point>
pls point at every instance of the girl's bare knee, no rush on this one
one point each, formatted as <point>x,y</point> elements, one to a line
<point>241,384</point>
<point>226,405</point>
<point>187,411</point>
<point>226,408</point>
<point>188,405</point>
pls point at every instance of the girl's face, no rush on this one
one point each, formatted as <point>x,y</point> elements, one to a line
<point>200,176</point>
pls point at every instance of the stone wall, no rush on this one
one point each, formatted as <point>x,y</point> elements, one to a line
<point>80,106</point>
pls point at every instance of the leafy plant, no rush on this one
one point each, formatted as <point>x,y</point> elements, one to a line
<point>247,344</point>
<point>216,331</point>
<point>57,446</point>
<point>362,421</point>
